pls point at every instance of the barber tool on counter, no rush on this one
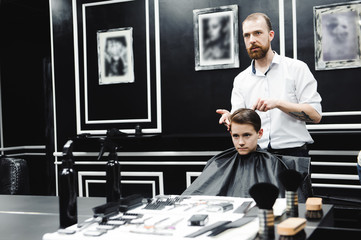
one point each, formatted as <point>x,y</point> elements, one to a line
<point>108,216</point>
<point>291,180</point>
<point>292,229</point>
<point>113,187</point>
<point>314,208</point>
<point>265,195</point>
<point>67,189</point>
<point>249,216</point>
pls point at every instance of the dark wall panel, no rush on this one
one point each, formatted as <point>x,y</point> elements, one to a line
<point>64,72</point>
<point>337,87</point>
<point>130,97</point>
<point>22,50</point>
<point>190,98</point>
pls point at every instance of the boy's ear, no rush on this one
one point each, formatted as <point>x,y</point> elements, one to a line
<point>260,133</point>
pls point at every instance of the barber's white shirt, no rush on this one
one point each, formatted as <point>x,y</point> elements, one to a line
<point>287,79</point>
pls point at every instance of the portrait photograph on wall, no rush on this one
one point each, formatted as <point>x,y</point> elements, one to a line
<point>337,36</point>
<point>216,38</point>
<point>115,56</point>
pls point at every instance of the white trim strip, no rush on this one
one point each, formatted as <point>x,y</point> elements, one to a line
<point>198,153</point>
<point>294,30</point>
<point>324,185</point>
<point>348,113</point>
<point>22,148</point>
<point>146,154</point>
<point>87,182</point>
<point>158,68</point>
<point>186,163</point>
<point>76,66</point>
<point>85,63</point>
<point>334,176</point>
<point>149,106</point>
<point>340,164</point>
<point>334,126</point>
<point>106,2</point>
<point>30,213</point>
<point>27,154</point>
<point>132,174</point>
<point>334,152</point>
<point>282,27</point>
<point>53,88</point>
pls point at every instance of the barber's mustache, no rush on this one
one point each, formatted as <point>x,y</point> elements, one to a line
<point>254,46</point>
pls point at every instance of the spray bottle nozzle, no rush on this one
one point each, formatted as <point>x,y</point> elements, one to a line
<point>68,149</point>
<point>108,143</point>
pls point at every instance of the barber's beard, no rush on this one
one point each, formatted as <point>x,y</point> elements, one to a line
<point>260,53</point>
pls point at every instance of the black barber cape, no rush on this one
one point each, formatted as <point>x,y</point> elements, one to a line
<point>231,174</point>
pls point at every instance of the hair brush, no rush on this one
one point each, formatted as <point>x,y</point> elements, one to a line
<point>291,180</point>
<point>265,195</point>
<point>314,208</point>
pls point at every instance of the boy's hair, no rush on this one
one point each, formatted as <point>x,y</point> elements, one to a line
<point>246,116</point>
<point>255,16</point>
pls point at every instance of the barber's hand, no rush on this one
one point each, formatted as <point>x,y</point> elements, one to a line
<point>224,118</point>
<point>264,105</point>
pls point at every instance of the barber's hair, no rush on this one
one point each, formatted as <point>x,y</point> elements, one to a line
<point>246,116</point>
<point>255,16</point>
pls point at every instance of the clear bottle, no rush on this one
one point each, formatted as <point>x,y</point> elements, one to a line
<point>68,211</point>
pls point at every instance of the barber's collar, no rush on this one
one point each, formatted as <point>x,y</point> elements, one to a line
<point>276,60</point>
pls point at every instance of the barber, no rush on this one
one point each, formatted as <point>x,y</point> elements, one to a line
<point>281,89</point>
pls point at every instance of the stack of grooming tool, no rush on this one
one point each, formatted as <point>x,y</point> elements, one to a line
<point>265,195</point>
<point>291,180</point>
<point>105,215</point>
<point>160,202</point>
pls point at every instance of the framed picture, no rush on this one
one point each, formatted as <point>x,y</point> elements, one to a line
<point>337,36</point>
<point>115,56</point>
<point>216,38</point>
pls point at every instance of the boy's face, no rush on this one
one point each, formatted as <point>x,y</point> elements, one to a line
<point>245,137</point>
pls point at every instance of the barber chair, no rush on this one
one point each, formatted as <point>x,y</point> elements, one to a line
<point>14,177</point>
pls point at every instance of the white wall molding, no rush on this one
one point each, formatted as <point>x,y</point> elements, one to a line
<point>83,174</point>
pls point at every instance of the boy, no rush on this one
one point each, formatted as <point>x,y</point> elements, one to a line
<point>234,171</point>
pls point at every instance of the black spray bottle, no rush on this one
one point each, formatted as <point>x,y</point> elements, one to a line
<point>67,189</point>
<point>113,178</point>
